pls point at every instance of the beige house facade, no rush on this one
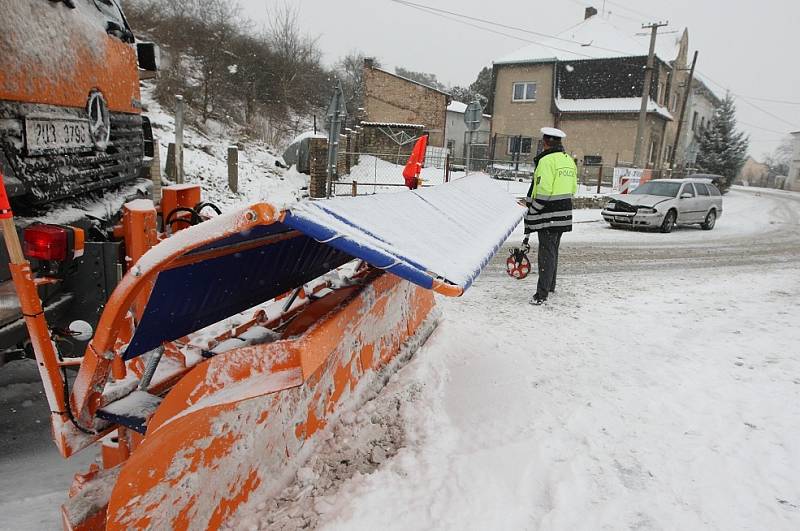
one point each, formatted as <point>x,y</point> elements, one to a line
<point>392,99</point>
<point>753,173</point>
<point>592,94</point>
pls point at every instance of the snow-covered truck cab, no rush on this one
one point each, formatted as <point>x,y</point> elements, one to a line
<point>70,109</point>
<point>71,129</point>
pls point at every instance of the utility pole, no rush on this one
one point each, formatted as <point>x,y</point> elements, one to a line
<point>685,101</point>
<point>648,78</point>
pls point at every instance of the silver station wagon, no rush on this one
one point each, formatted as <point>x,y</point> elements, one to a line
<point>664,203</point>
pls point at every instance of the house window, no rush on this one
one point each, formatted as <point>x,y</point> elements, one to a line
<point>702,122</point>
<point>524,91</point>
<point>674,102</point>
<point>592,160</point>
<point>451,145</point>
<point>694,121</point>
<point>519,144</point>
<point>667,153</point>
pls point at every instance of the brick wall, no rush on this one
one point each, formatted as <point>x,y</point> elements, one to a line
<point>318,166</point>
<point>392,99</point>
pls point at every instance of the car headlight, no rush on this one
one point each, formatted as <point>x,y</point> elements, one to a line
<point>646,210</point>
<point>610,206</point>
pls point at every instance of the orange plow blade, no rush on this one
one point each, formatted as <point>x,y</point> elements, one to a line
<point>246,419</point>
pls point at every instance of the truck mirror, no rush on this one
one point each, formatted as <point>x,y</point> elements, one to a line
<point>149,56</point>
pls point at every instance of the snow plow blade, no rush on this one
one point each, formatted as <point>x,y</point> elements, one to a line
<point>244,420</point>
<point>229,347</point>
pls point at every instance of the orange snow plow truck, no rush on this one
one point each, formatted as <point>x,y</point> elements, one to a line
<point>71,129</point>
<point>230,347</point>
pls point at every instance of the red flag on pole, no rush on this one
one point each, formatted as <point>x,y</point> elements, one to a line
<point>415,162</point>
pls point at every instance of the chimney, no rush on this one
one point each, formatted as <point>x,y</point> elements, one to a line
<point>369,62</point>
<point>589,13</point>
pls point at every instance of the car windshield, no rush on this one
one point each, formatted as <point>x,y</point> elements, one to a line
<point>658,188</point>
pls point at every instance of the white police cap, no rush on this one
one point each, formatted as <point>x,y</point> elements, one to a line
<point>552,131</point>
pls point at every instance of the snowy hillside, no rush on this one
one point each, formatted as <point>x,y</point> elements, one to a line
<point>205,163</point>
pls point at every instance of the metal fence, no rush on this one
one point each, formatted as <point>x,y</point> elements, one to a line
<point>373,173</point>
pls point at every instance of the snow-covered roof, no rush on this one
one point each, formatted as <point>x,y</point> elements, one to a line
<point>594,38</point>
<point>457,106</point>
<point>610,105</point>
<point>461,108</point>
<point>392,124</point>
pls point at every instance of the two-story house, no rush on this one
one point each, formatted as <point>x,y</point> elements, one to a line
<point>700,110</point>
<point>589,81</point>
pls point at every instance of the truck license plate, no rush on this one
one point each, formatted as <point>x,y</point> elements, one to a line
<point>60,134</point>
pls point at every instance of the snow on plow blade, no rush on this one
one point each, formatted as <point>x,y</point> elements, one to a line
<point>240,413</point>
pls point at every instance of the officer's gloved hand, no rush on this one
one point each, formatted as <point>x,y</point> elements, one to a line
<point>525,243</point>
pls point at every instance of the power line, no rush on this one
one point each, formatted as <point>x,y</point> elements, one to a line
<point>450,14</point>
<point>740,96</point>
<point>782,133</point>
<point>442,12</point>
<point>439,13</point>
<point>768,100</point>
<point>750,103</point>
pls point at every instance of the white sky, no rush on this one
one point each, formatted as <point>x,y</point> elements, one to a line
<point>751,48</point>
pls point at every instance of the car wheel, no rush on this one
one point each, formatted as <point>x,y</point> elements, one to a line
<point>669,222</point>
<point>711,220</point>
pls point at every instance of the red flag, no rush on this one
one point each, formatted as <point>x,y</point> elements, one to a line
<point>415,162</point>
<point>5,206</point>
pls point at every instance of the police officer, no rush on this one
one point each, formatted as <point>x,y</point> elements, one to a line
<point>549,201</point>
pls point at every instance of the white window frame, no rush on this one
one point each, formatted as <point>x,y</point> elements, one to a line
<point>524,91</point>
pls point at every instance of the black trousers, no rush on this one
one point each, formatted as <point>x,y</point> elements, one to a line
<point>548,261</point>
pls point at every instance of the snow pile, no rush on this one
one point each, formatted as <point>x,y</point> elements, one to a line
<point>357,446</point>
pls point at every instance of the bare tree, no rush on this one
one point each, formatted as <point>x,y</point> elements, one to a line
<point>779,160</point>
<point>298,56</point>
<point>269,81</point>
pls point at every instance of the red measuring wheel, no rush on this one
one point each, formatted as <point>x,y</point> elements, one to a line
<point>518,265</point>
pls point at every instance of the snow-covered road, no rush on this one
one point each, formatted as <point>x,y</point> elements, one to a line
<point>659,401</point>
<point>658,389</point>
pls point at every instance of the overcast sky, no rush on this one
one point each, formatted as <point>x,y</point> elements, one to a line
<point>751,48</point>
